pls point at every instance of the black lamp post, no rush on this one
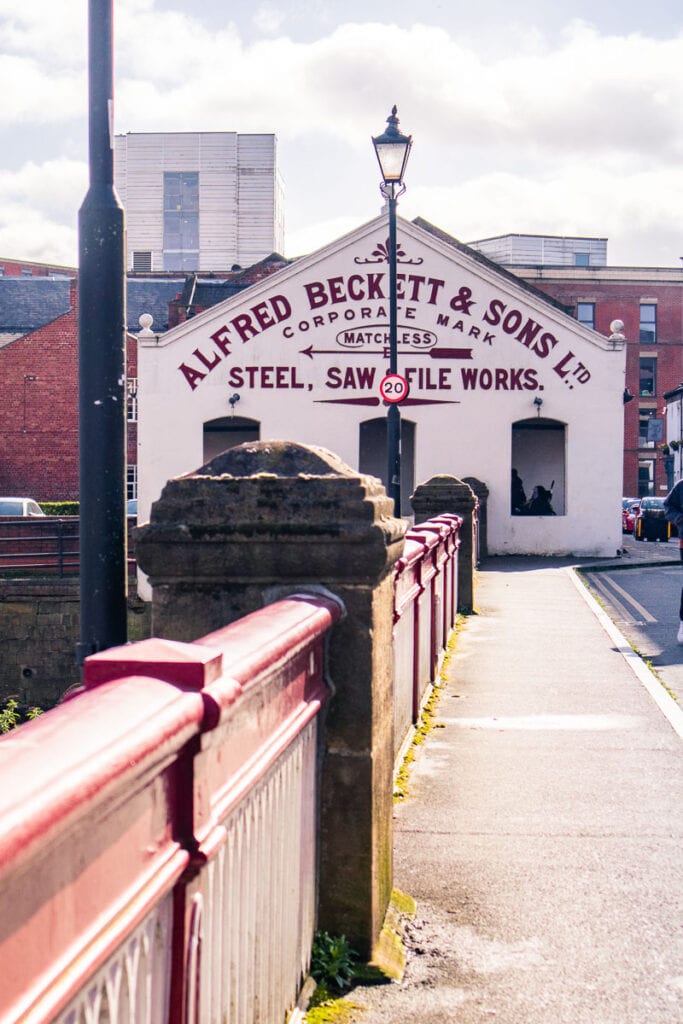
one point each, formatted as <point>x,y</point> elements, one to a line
<point>392,149</point>
<point>102,364</point>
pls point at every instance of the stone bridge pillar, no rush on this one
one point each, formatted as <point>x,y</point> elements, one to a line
<point>445,493</point>
<point>481,492</point>
<point>271,516</point>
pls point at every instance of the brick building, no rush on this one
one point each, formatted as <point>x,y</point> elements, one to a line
<point>649,301</point>
<point>25,268</point>
<point>39,411</point>
<point>39,365</point>
<point>39,350</point>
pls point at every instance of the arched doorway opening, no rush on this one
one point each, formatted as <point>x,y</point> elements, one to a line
<point>227,432</point>
<point>372,455</point>
<point>539,456</point>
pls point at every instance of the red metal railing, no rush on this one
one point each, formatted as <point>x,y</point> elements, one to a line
<point>175,796</point>
<point>425,608</point>
<point>158,832</point>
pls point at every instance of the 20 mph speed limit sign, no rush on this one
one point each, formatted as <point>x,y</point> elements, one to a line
<point>393,387</point>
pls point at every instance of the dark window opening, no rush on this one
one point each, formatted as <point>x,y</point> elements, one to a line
<point>372,455</point>
<point>538,468</point>
<point>585,314</point>
<point>648,376</point>
<point>648,323</point>
<point>227,432</point>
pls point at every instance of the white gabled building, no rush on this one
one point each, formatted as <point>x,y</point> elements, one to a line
<point>198,200</point>
<point>499,377</point>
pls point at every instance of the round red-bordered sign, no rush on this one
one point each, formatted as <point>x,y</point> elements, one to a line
<point>393,388</point>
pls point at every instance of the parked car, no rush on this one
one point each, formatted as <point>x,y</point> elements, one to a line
<point>20,507</point>
<point>629,511</point>
<point>651,523</point>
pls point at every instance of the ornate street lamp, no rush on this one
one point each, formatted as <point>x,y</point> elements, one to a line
<point>393,149</point>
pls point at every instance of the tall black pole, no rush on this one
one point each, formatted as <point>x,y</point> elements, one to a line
<point>393,414</point>
<point>102,363</point>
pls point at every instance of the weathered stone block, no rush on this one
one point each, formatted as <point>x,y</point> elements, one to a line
<point>276,514</point>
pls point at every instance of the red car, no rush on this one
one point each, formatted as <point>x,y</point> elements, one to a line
<point>629,511</point>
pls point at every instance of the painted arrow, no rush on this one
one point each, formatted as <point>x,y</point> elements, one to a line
<point>376,401</point>
<point>434,353</point>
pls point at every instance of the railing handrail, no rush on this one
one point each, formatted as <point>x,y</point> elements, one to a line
<point>142,805</point>
<point>120,757</point>
<point>425,604</point>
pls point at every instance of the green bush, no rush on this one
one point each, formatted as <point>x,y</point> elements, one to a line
<point>59,508</point>
<point>332,961</point>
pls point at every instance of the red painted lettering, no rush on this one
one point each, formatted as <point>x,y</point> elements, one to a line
<point>355,288</point>
<point>191,375</point>
<point>244,326</point>
<point>494,312</point>
<point>512,321</point>
<point>317,296</point>
<point>205,362</point>
<point>221,338</point>
<point>263,317</point>
<point>337,293</point>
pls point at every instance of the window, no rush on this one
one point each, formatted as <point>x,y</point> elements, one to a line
<point>582,259</point>
<point>646,478</point>
<point>132,400</point>
<point>585,314</point>
<point>648,376</point>
<point>648,323</point>
<point>131,482</point>
<point>181,220</point>
<point>26,272</point>
<point>648,428</point>
<point>539,447</point>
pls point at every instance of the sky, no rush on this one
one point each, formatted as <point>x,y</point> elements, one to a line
<point>528,117</point>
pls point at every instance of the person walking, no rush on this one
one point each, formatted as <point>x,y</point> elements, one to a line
<point>673,510</point>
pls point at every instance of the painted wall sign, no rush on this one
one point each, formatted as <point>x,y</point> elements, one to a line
<point>493,372</point>
<point>345,316</point>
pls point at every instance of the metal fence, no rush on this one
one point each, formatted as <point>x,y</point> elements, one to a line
<point>159,830</point>
<point>425,608</point>
<point>48,546</point>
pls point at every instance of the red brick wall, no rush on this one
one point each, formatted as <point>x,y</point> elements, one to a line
<point>621,301</point>
<point>15,268</point>
<point>39,411</point>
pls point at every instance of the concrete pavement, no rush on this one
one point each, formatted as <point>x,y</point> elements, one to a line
<point>541,833</point>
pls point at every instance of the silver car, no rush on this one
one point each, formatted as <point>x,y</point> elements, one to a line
<point>20,507</point>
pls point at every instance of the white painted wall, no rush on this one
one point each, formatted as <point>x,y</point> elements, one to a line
<point>453,301</point>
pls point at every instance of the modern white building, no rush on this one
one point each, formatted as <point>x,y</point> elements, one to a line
<point>199,200</point>
<point>499,376</point>
<point>543,250</point>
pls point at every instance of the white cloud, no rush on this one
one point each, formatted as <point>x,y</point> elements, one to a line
<point>38,211</point>
<point>577,201</point>
<point>268,19</point>
<point>55,33</point>
<point>578,133</point>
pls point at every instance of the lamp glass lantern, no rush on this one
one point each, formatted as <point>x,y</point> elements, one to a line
<point>392,149</point>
